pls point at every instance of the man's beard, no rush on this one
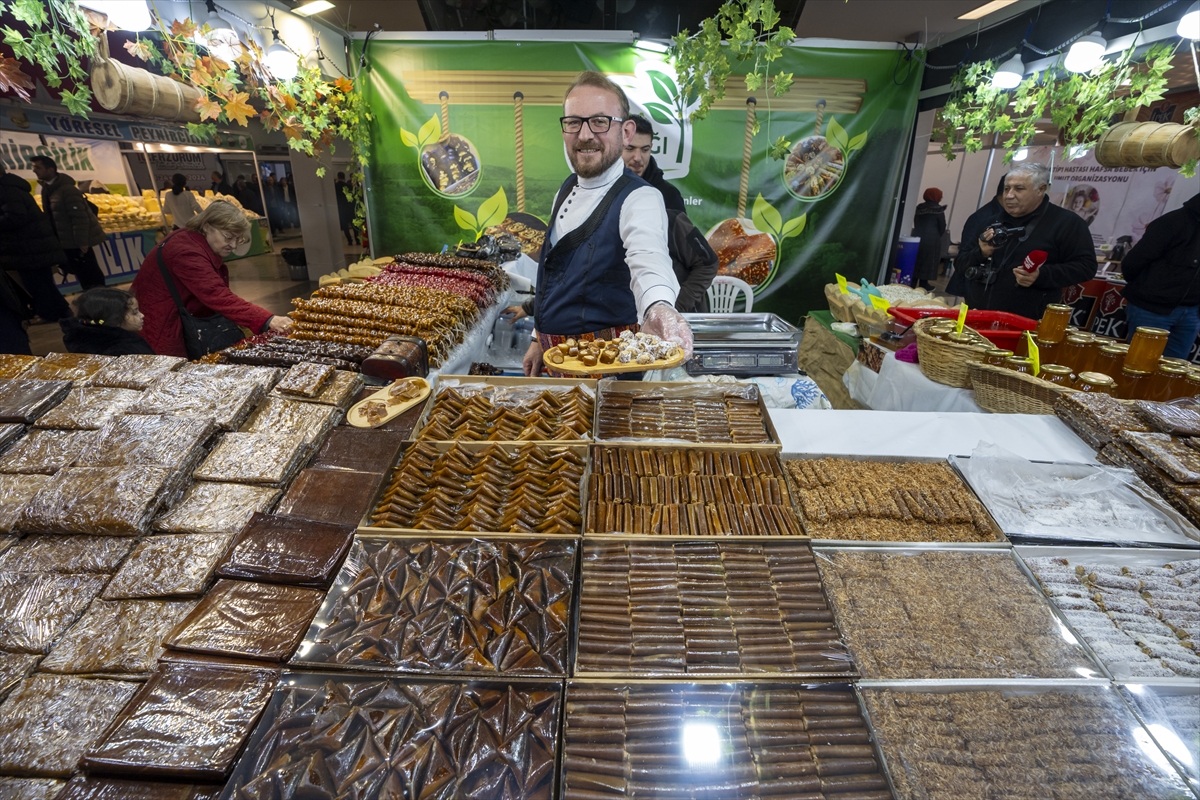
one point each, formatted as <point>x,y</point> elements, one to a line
<point>607,159</point>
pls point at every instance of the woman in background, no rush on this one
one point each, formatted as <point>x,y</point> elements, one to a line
<point>929,224</point>
<point>181,204</point>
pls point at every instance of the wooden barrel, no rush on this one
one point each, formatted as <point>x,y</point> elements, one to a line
<point>1156,145</point>
<point>1108,149</point>
<point>123,89</point>
<point>1183,147</point>
<point>1131,146</point>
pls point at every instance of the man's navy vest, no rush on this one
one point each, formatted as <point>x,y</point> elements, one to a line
<point>583,281</point>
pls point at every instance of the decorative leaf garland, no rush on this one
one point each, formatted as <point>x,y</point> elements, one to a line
<point>57,40</point>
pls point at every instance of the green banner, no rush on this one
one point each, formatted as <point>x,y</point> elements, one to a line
<point>466,137</point>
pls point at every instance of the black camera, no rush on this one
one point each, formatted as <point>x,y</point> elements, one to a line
<point>1000,234</point>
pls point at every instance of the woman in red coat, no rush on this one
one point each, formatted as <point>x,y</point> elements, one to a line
<point>194,256</point>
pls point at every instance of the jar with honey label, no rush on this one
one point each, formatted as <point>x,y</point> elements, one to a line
<point>1145,349</point>
<point>996,356</point>
<point>1134,384</point>
<point>1053,327</point>
<point>1109,360</point>
<point>1077,352</point>
<point>1047,351</point>
<point>1019,364</point>
<point>1056,374</point>
<point>1095,382</point>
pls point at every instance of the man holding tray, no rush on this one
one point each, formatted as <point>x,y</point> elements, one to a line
<point>604,268</point>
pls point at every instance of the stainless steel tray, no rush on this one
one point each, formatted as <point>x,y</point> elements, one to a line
<point>750,331</point>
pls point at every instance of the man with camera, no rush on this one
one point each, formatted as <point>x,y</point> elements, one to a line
<point>1031,252</point>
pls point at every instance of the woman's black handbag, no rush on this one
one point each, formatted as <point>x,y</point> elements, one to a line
<point>201,335</point>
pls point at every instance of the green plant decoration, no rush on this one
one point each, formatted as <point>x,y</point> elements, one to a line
<point>57,40</point>
<point>491,212</point>
<point>428,133</point>
<point>767,219</point>
<point>1081,105</point>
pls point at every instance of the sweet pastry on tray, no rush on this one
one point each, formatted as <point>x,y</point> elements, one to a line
<point>225,399</point>
<point>1170,418</point>
<point>259,458</point>
<point>35,608</point>
<point>211,507</point>
<point>15,493</point>
<point>116,637</point>
<point>358,449</point>
<point>88,408</point>
<point>174,442</point>
<point>275,549</point>
<point>1098,418</point>
<point>1168,453</point>
<point>305,379</point>
<point>169,566</point>
<point>487,413</point>
<point>45,452</point>
<point>136,371</point>
<point>339,496</point>
<point>69,555</point>
<point>692,413</point>
<point>23,400</point>
<point>114,501</point>
<point>339,391</point>
<point>632,351</point>
<point>277,415</point>
<point>77,367</point>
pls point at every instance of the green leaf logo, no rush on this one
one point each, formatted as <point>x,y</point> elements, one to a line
<point>664,87</point>
<point>493,210</point>
<point>659,113</point>
<point>857,142</point>
<point>836,135</point>
<point>465,219</point>
<point>430,132</point>
<point>793,227</point>
<point>408,139</point>
<point>765,217</point>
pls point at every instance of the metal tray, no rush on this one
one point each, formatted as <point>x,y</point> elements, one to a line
<point>1168,740</point>
<point>742,331</point>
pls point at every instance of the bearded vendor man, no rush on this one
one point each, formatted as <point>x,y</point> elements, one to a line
<point>604,268</point>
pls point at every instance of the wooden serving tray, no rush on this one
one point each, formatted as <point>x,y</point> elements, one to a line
<point>360,421</point>
<point>573,366</point>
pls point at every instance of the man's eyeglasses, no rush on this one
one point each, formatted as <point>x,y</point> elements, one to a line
<point>599,124</point>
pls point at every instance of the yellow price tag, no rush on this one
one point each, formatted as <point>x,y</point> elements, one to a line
<point>1034,356</point>
<point>841,279</point>
<point>879,302</point>
<point>962,318</point>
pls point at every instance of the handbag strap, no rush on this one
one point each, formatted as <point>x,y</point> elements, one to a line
<point>167,279</point>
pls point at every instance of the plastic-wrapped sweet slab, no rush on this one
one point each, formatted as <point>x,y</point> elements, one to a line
<point>13,669</point>
<point>10,432</point>
<point>48,721</point>
<point>276,414</point>
<point>442,740</point>
<point>117,636</point>
<point>725,607</point>
<point>30,788</point>
<point>25,400</point>
<point>12,364</point>
<point>683,740</point>
<point>359,449</point>
<point>1098,418</point>
<point>263,377</point>
<point>45,452</point>
<point>448,606</point>
<point>299,552</point>
<point>337,496</point>
<point>162,441</point>
<point>1172,715</point>
<point>77,367</point>
<point>1169,454</point>
<point>226,400</point>
<point>908,614</point>
<point>305,379</point>
<point>66,555</point>
<point>188,722</point>
<point>94,788</point>
<point>112,501</point>
<point>1020,742</point>
<point>339,391</point>
<point>15,493</point>
<point>169,566</point>
<point>250,620</point>
<point>87,408</point>
<point>35,608</point>
<point>1180,420</point>
<point>136,372</point>
<point>259,458</point>
<point>209,507</point>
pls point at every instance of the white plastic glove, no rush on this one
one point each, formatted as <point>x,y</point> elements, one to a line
<point>666,323</point>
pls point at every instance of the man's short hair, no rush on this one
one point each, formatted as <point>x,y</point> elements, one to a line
<point>45,161</point>
<point>598,81</point>
<point>1038,172</point>
<point>642,125</point>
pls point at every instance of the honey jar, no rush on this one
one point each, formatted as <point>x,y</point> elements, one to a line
<point>1056,374</point>
<point>1053,327</point>
<point>964,338</point>
<point>940,330</point>
<point>1019,364</point>
<point>1134,384</point>
<point>1192,384</point>
<point>996,356</point>
<point>1078,352</point>
<point>1095,382</point>
<point>1109,359</point>
<point>1169,382</point>
<point>1145,349</point>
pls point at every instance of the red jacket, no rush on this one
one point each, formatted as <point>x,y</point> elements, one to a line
<point>202,280</point>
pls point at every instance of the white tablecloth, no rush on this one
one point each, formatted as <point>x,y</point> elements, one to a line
<point>475,344</point>
<point>1036,437</point>
<point>901,386</point>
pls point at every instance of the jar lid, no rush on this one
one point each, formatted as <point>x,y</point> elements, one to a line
<point>1056,369</point>
<point>1019,360</point>
<point>1154,331</point>
<point>1081,338</point>
<point>1175,362</point>
<point>1128,371</point>
<point>1173,369</point>
<point>1058,307</point>
<point>998,351</point>
<point>961,338</point>
<point>1115,349</point>
<point>1096,379</point>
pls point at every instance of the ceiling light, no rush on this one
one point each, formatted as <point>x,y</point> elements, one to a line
<point>221,39</point>
<point>1085,55</point>
<point>315,7</point>
<point>282,62</point>
<point>987,8</point>
<point>1009,74</point>
<point>1021,154</point>
<point>126,15</point>
<point>1189,24</point>
<point>652,46</point>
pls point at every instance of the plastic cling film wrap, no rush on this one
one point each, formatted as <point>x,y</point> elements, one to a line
<point>162,441</point>
<point>30,788</point>
<point>443,740</point>
<point>276,549</point>
<point>458,606</point>
<point>1172,716</point>
<point>250,620</point>
<point>24,400</point>
<point>1180,420</point>
<point>361,450</point>
<point>136,371</point>
<point>169,566</point>
<point>113,501</point>
<point>484,412</point>
<point>305,379</point>
<point>88,408</point>
<point>13,668</point>
<point>277,415</point>
<point>48,721</point>
<point>89,787</point>
<point>209,507</point>
<point>35,608</point>
<point>683,413</point>
<point>263,377</point>
<point>339,391</point>
<point>226,400</point>
<point>77,367</point>
<point>266,458</point>
<point>1170,454</point>
<point>66,554</point>
<point>15,493</point>
<point>730,740</point>
<point>10,432</point>
<point>705,608</point>
<point>1031,742</point>
<point>45,452</point>
<point>946,614</point>
<point>119,636</point>
<point>338,496</point>
<point>188,722</point>
<point>12,365</point>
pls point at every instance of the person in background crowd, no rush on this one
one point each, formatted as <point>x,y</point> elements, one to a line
<point>106,323</point>
<point>74,223</point>
<point>28,245</point>
<point>179,202</point>
<point>996,278</point>
<point>220,185</point>
<point>957,285</point>
<point>345,208</point>
<point>289,199</point>
<point>637,157</point>
<point>274,214</point>
<point>194,258</point>
<point>1162,274</point>
<point>929,223</point>
<point>13,338</point>
<point>254,196</point>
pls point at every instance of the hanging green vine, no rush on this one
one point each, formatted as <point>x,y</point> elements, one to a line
<point>1082,105</point>
<point>56,38</point>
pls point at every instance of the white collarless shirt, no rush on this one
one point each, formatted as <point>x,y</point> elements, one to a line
<point>643,226</point>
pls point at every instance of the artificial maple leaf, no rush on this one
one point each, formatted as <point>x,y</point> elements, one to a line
<point>222,87</point>
<point>201,77</point>
<point>344,85</point>
<point>208,108</point>
<point>139,49</point>
<point>293,132</point>
<point>12,79</point>
<point>185,29</point>
<point>246,62</point>
<point>237,109</point>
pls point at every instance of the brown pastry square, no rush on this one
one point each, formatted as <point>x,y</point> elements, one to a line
<point>45,452</point>
<point>25,400</point>
<point>1167,453</point>
<point>117,636</point>
<point>363,450</point>
<point>78,367</point>
<point>35,608</point>
<point>257,458</point>
<point>113,501</point>
<point>136,371</point>
<point>336,496</point>
<point>276,549</point>
<point>210,507</point>
<point>1179,420</point>
<point>169,566</point>
<point>50,552</point>
<point>88,408</point>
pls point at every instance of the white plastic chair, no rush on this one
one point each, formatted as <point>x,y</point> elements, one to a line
<point>723,294</point>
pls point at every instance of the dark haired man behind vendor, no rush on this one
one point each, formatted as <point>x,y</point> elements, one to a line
<point>996,279</point>
<point>604,268</point>
<point>637,157</point>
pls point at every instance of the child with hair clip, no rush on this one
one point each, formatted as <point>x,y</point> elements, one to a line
<point>106,323</point>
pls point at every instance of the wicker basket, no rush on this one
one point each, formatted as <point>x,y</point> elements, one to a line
<point>947,362</point>
<point>839,304</point>
<point>1003,391</point>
